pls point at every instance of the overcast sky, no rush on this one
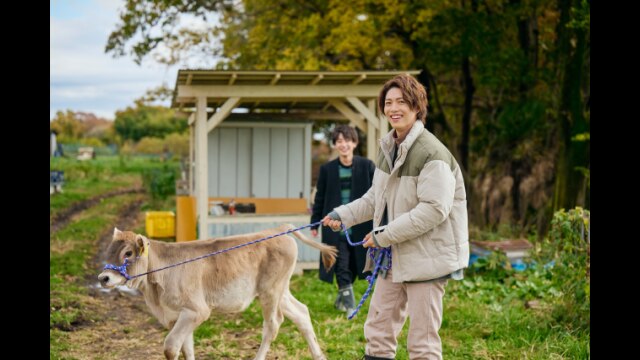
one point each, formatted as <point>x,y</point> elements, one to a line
<point>81,76</point>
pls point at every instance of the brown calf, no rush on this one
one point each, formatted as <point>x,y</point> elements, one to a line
<point>184,296</point>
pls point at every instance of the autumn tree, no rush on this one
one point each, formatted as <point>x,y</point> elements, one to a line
<point>508,80</point>
<point>78,127</point>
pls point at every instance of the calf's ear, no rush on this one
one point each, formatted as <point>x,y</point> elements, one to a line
<point>142,245</point>
<point>116,232</point>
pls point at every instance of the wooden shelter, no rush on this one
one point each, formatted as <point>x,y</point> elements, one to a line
<point>251,134</point>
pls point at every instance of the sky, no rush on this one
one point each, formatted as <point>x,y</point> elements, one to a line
<point>81,76</point>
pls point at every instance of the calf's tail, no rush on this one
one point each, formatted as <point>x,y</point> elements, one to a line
<point>328,252</point>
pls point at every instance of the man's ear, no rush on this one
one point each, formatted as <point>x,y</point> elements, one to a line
<point>116,232</point>
<point>142,245</point>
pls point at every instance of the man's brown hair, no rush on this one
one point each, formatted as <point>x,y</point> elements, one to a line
<point>413,92</point>
<point>348,133</point>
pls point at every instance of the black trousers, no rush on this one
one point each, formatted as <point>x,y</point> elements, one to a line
<point>345,263</point>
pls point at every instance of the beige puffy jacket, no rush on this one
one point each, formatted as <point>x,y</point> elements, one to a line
<point>426,207</point>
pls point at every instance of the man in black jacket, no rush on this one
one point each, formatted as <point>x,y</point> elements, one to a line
<point>341,181</point>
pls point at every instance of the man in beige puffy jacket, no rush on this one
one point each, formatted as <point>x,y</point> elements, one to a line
<point>418,195</point>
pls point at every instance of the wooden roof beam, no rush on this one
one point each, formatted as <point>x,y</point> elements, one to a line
<point>254,106</point>
<point>359,79</point>
<point>364,110</point>
<point>268,92</point>
<point>316,79</point>
<point>354,117</point>
<point>221,114</point>
<point>275,79</point>
<point>233,78</point>
<point>311,115</point>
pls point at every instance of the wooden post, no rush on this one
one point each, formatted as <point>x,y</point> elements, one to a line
<point>372,134</point>
<point>201,170</point>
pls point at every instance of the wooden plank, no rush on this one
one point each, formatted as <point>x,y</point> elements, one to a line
<point>358,105</point>
<point>359,79</point>
<point>372,133</point>
<point>275,79</point>
<point>289,92</point>
<point>316,79</point>
<point>222,113</point>
<point>269,205</point>
<point>357,119</point>
<point>233,78</point>
<point>202,165</point>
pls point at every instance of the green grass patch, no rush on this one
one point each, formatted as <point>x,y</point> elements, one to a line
<point>87,179</point>
<point>479,326</point>
<point>58,343</point>
<point>475,325</point>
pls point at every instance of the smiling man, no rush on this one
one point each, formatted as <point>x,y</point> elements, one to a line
<point>341,181</point>
<point>418,198</point>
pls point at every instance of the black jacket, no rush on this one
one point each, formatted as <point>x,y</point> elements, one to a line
<point>328,197</point>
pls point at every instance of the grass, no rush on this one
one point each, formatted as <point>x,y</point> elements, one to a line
<point>472,327</point>
<point>84,180</point>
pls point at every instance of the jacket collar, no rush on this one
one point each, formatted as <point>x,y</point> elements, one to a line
<point>388,142</point>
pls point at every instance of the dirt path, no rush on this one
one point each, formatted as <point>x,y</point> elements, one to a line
<point>120,326</point>
<point>61,219</point>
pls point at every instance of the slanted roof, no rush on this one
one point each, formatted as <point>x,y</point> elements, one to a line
<point>288,90</point>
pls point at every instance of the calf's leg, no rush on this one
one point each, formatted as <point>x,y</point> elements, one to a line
<point>187,348</point>
<point>298,312</point>
<point>187,322</point>
<point>273,318</point>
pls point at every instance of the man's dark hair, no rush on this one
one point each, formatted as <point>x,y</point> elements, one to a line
<point>348,133</point>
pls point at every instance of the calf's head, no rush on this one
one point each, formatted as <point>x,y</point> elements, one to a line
<point>125,245</point>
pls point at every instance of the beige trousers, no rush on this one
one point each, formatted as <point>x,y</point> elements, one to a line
<point>390,305</point>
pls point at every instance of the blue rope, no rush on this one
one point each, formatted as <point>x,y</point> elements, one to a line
<point>381,253</point>
<point>346,233</point>
<point>123,269</point>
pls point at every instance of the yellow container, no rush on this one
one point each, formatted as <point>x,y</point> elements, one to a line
<point>160,224</point>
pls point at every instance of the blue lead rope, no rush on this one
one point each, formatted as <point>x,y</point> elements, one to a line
<point>381,254</point>
<point>123,269</point>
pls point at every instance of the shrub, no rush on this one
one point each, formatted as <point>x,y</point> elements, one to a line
<point>178,144</point>
<point>568,245</point>
<point>160,183</point>
<point>150,145</point>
